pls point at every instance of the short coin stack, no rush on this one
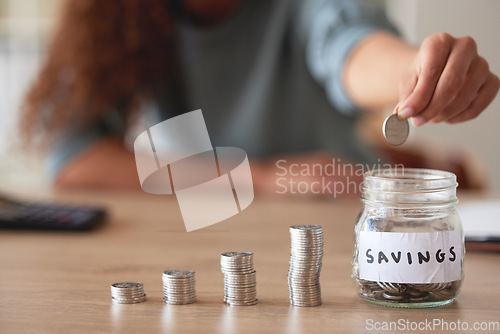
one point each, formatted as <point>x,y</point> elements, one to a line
<point>240,286</point>
<point>305,265</point>
<point>128,293</point>
<point>179,287</point>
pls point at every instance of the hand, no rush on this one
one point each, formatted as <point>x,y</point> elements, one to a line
<point>447,82</point>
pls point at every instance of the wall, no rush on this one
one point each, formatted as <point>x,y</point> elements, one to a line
<point>24,28</point>
<point>479,19</point>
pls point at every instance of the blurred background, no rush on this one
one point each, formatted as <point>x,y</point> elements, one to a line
<point>25,28</point>
<point>26,25</point>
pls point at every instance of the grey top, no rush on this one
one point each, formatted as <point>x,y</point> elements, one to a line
<point>269,80</point>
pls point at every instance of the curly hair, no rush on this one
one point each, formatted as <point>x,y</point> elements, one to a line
<point>105,54</point>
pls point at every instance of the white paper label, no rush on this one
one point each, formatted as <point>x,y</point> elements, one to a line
<point>434,257</point>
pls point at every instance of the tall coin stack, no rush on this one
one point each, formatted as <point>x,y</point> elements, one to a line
<point>240,286</point>
<point>128,293</point>
<point>305,265</point>
<point>179,287</point>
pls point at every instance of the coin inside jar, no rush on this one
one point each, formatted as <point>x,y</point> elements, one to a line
<point>396,130</point>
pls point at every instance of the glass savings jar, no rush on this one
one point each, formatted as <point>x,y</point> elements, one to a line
<point>409,242</point>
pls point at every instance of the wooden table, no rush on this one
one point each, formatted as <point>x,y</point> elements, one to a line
<point>54,282</point>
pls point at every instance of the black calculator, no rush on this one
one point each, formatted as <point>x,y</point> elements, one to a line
<point>15,214</point>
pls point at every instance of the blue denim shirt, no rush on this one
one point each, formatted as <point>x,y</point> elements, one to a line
<point>268,79</point>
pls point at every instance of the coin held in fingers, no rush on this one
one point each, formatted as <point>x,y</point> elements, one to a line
<point>396,130</point>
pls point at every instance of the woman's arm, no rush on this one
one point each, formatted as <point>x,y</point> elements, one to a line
<point>374,69</point>
<point>443,80</point>
<point>105,164</point>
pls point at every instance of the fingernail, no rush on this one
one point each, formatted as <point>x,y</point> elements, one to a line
<point>418,120</point>
<point>405,113</point>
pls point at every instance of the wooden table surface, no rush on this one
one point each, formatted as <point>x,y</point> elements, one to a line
<point>55,282</point>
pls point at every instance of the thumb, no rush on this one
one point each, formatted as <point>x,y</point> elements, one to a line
<point>406,88</point>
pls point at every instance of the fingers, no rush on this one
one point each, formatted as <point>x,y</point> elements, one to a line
<point>448,82</point>
<point>406,87</point>
<point>484,97</point>
<point>452,78</point>
<point>431,61</point>
<point>475,79</point>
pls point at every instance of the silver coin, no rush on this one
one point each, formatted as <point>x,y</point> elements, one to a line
<point>168,287</point>
<point>396,130</point>
<point>242,258</point>
<point>178,287</point>
<point>295,300</point>
<point>236,286</point>
<point>245,297</point>
<point>178,291</point>
<point>143,297</point>
<point>443,295</point>
<point>238,272</point>
<point>127,285</point>
<point>390,287</point>
<point>178,273</point>
<point>392,296</point>
<point>304,283</point>
<point>126,291</point>
<point>240,290</point>
<point>306,294</point>
<point>306,227</point>
<point>250,275</point>
<point>125,295</point>
<point>180,297</point>
<point>242,303</point>
<point>178,283</point>
<point>129,297</point>
<point>419,297</point>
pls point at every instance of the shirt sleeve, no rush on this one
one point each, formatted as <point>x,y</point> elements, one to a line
<point>67,147</point>
<point>330,30</point>
<point>74,141</point>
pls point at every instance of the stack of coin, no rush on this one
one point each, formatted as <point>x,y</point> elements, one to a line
<point>240,286</point>
<point>179,287</point>
<point>305,265</point>
<point>128,293</point>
